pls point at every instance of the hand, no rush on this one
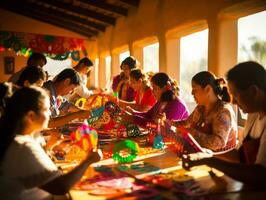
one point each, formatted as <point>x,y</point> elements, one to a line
<point>160,118</point>
<point>126,116</point>
<point>195,159</point>
<point>168,122</point>
<point>73,109</point>
<point>129,109</point>
<point>95,156</point>
<point>97,91</point>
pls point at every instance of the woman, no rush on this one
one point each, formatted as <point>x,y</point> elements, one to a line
<point>168,103</point>
<point>26,170</point>
<point>32,75</point>
<point>84,67</point>
<point>212,123</point>
<point>247,84</point>
<point>144,98</point>
<point>120,83</point>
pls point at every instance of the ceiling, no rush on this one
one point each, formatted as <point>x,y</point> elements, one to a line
<point>85,17</point>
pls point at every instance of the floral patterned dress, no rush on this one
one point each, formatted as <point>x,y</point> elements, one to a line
<point>216,130</point>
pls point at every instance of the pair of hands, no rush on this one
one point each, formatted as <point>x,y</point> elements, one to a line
<point>191,160</point>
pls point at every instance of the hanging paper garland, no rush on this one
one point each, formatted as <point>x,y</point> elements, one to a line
<point>75,55</point>
<point>126,145</point>
<point>58,56</point>
<point>55,47</point>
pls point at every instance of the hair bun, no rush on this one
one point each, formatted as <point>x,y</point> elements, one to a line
<point>220,81</point>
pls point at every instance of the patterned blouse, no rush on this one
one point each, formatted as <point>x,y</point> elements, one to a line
<point>217,130</point>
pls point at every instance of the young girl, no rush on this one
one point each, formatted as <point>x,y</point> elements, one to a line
<point>26,170</point>
<point>167,102</point>
<point>212,123</point>
<point>144,98</point>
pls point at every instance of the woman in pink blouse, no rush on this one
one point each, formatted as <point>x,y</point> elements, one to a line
<point>213,122</point>
<point>144,98</point>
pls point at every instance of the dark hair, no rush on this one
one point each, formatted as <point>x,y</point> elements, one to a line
<point>68,73</point>
<point>137,74</point>
<point>246,74</point>
<point>34,59</point>
<point>11,123</point>
<point>6,91</point>
<point>130,61</point>
<point>31,74</point>
<point>86,61</point>
<point>162,79</point>
<point>205,78</point>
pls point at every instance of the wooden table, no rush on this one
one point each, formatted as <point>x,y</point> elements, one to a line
<point>216,187</point>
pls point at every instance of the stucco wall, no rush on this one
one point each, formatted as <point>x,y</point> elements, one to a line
<point>167,20</point>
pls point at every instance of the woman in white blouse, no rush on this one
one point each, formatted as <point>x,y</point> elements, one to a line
<point>25,169</point>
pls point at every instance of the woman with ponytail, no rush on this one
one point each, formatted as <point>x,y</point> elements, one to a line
<point>212,123</point>
<point>168,103</point>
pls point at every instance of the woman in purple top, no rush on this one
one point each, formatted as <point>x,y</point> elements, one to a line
<point>166,92</point>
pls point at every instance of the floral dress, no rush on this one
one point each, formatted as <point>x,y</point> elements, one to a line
<point>216,130</point>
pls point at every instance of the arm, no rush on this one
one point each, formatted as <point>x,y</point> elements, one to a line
<point>62,120</point>
<point>124,104</point>
<point>241,172</point>
<point>115,83</point>
<point>185,123</point>
<point>142,118</point>
<point>221,127</point>
<point>83,91</point>
<point>62,184</point>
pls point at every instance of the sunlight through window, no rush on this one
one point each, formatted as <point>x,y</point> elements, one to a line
<point>54,67</point>
<point>108,72</point>
<point>151,58</point>
<point>252,38</point>
<point>123,56</point>
<point>193,59</point>
<point>96,73</point>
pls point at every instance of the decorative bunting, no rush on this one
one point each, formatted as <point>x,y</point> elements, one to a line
<point>55,47</point>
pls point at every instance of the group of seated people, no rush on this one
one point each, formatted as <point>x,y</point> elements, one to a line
<point>34,104</point>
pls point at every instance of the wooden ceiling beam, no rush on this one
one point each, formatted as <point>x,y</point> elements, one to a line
<point>49,13</point>
<point>43,18</point>
<point>65,16</point>
<point>106,6</point>
<point>81,11</point>
<point>134,3</point>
